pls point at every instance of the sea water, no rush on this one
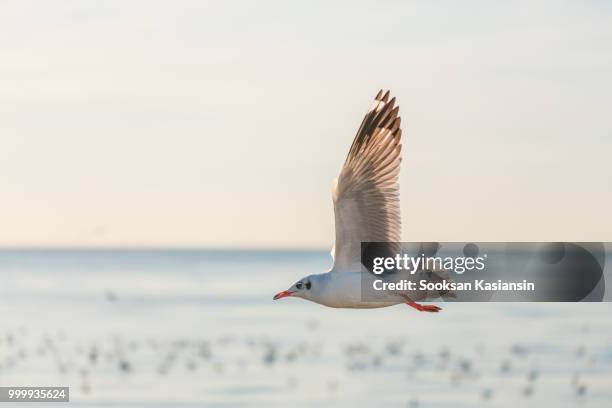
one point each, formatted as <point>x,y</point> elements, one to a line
<point>161,328</point>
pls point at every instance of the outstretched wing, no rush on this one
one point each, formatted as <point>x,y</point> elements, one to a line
<point>366,194</point>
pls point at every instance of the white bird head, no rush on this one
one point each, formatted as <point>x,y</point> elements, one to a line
<point>305,288</point>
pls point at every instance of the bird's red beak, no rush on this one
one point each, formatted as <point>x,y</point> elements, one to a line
<point>282,294</point>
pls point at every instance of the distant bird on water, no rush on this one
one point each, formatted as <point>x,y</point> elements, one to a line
<point>366,208</point>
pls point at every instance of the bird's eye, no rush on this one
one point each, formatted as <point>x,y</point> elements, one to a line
<point>298,285</point>
<point>308,285</point>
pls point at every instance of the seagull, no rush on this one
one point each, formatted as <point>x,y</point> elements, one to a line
<point>366,209</point>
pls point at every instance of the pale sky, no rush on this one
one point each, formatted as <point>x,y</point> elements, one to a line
<point>222,124</point>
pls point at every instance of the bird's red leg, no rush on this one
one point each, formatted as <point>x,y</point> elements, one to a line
<point>423,308</point>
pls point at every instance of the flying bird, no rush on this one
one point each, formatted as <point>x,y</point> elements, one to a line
<point>366,209</point>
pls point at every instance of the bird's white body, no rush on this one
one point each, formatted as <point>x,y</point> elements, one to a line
<point>344,290</point>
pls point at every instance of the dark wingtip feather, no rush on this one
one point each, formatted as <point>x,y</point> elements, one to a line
<point>382,116</point>
<point>396,124</point>
<point>398,134</point>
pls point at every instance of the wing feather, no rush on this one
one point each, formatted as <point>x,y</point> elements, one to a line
<point>366,193</point>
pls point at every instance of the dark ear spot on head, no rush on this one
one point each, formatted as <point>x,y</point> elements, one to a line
<point>308,285</point>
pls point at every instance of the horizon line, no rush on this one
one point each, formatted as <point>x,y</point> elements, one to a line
<point>157,248</point>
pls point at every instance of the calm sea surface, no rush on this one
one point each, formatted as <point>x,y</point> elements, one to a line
<point>199,328</point>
